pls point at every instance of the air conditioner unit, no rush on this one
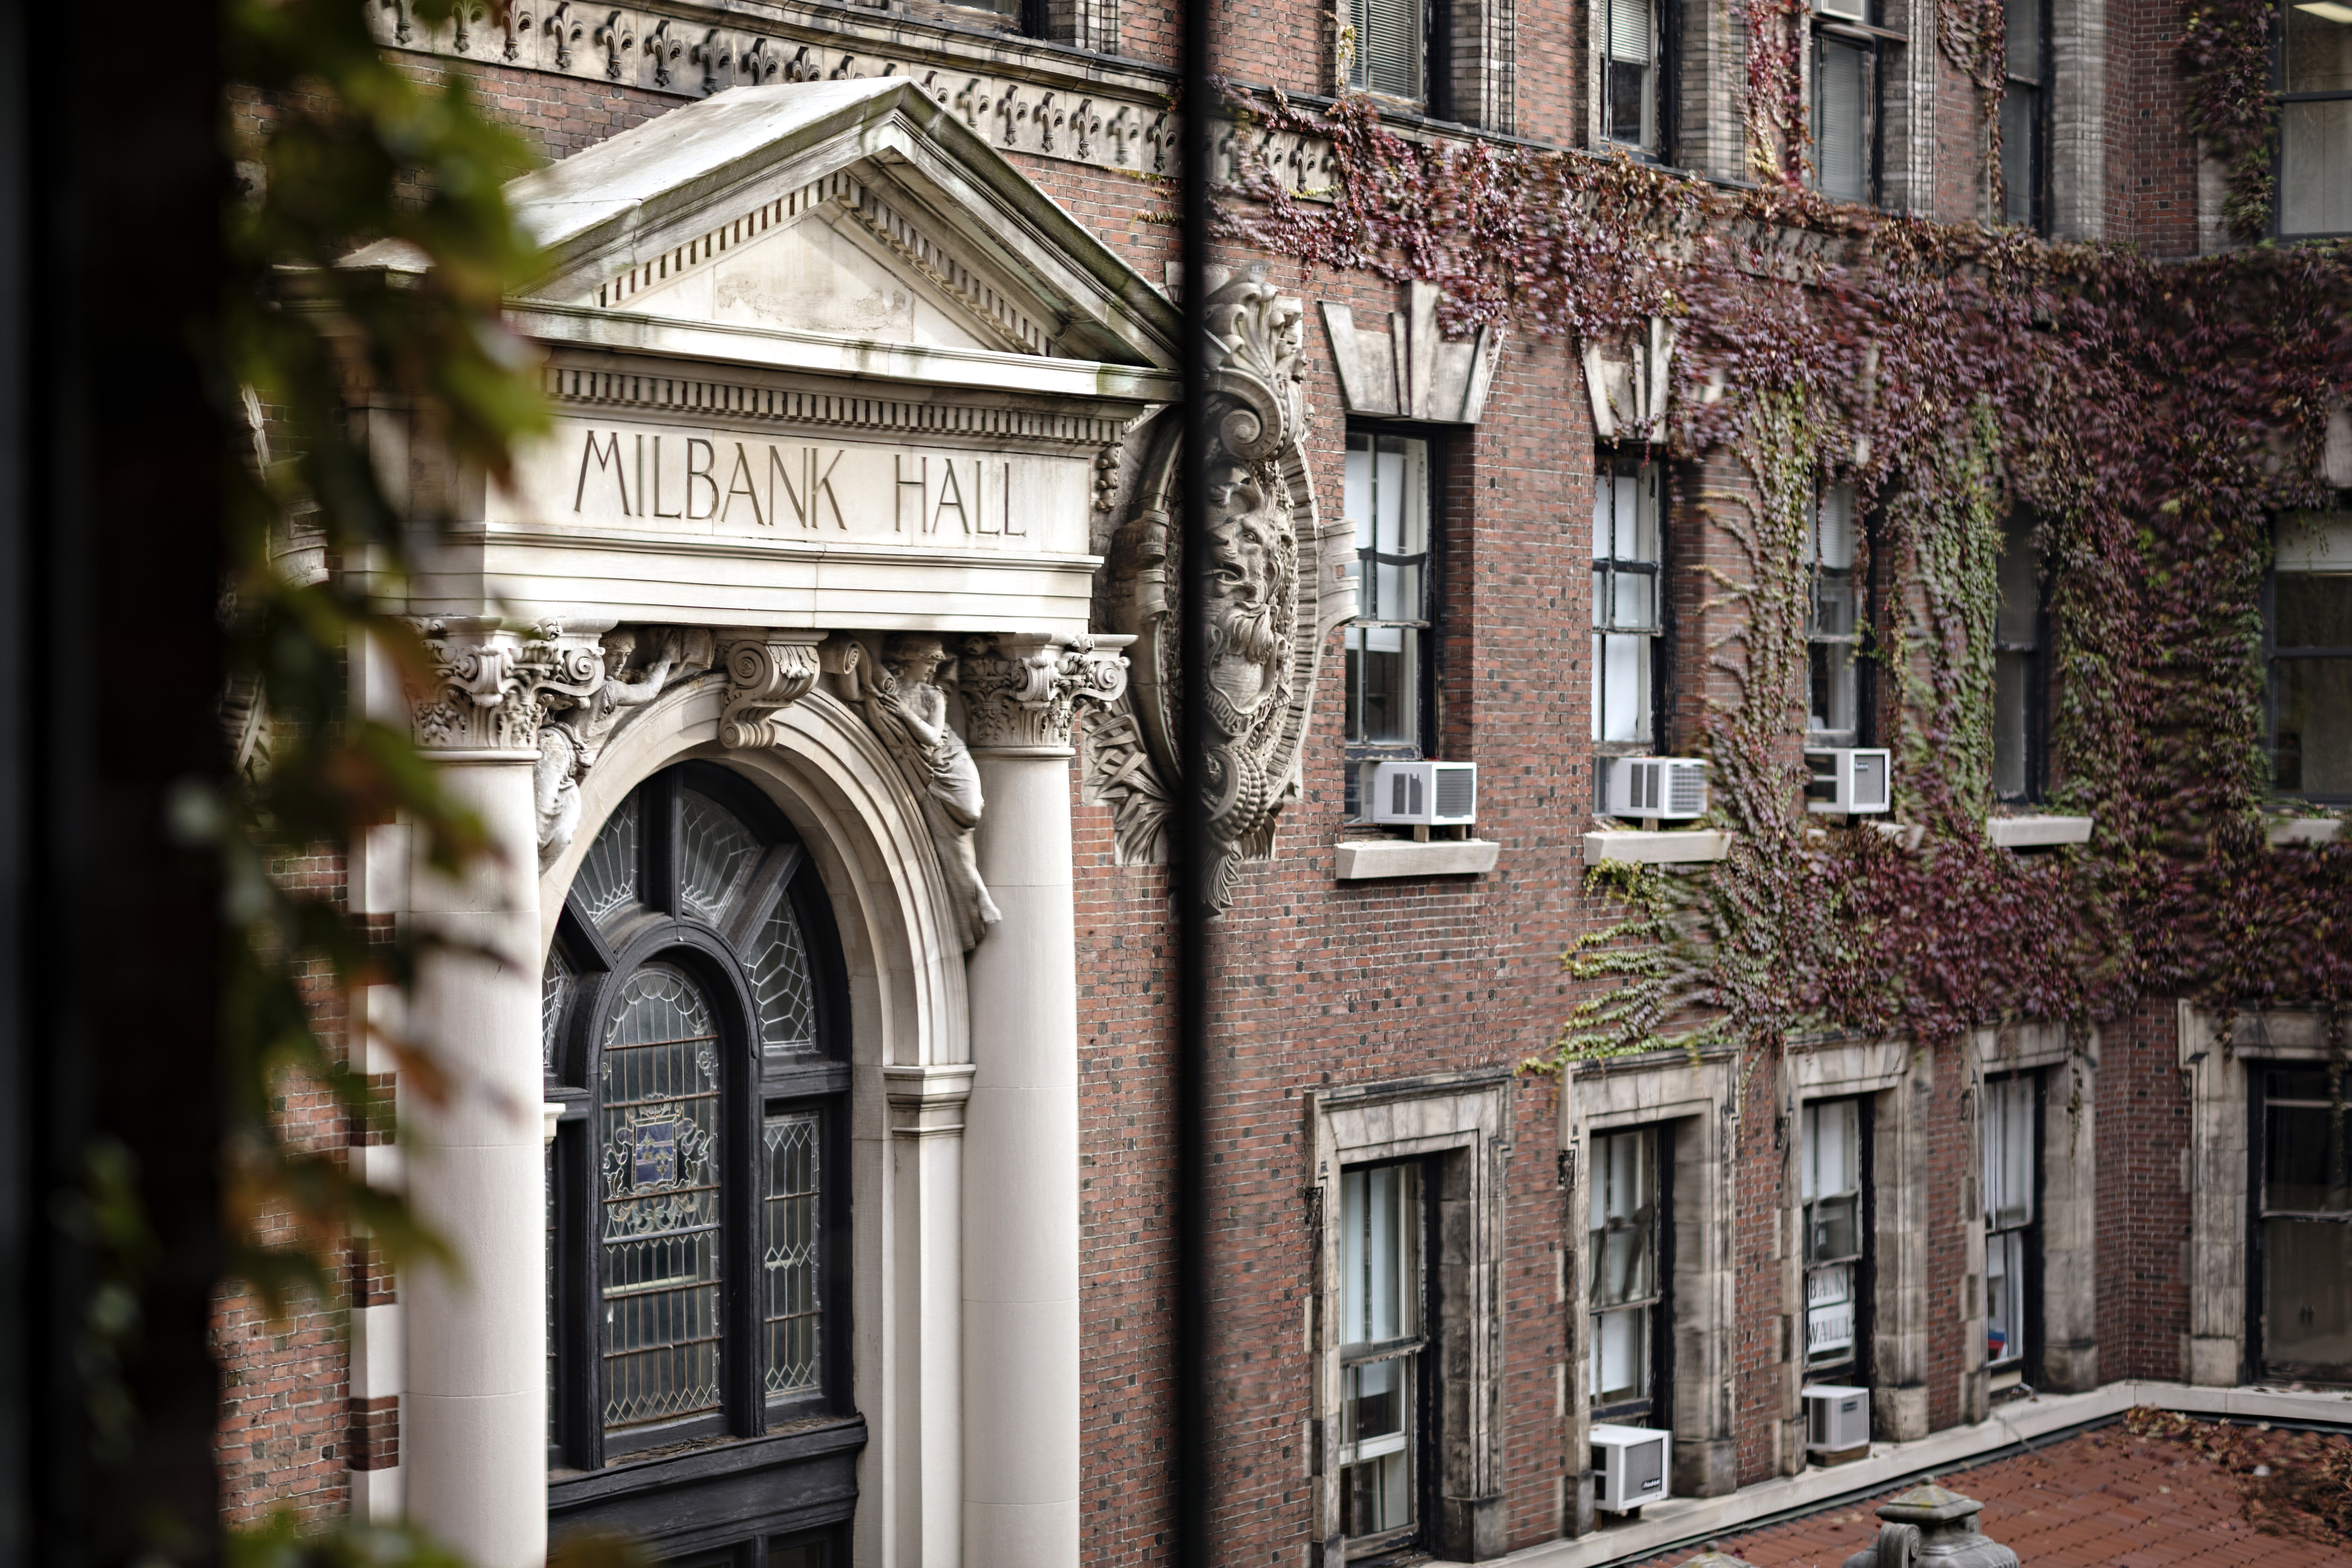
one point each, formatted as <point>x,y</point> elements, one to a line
<point>1837,1420</point>
<point>1656,786</point>
<point>1843,10</point>
<point>1431,795</point>
<point>1849,778</point>
<point>1630,1465</point>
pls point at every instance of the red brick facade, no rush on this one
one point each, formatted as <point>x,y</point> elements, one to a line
<point>1323,982</point>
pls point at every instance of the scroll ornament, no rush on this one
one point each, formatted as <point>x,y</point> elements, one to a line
<point>1022,692</point>
<point>1275,598</point>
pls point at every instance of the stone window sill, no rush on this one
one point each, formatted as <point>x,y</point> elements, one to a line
<point>2036,832</point>
<point>1635,847</point>
<point>1363,859</point>
<point>2306,829</point>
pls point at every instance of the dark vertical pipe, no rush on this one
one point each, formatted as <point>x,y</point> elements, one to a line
<point>1190,863</point>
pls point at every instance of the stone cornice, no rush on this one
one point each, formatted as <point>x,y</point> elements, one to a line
<point>1027,95</point>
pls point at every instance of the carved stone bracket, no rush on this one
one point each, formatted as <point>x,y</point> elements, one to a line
<point>1021,693</point>
<point>1275,600</point>
<point>1403,367</point>
<point>491,684</point>
<point>764,676</point>
<point>1628,383</point>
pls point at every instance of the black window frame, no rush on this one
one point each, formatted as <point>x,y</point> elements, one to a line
<point>1656,1407</point>
<point>1660,634</point>
<point>2028,1364</point>
<point>2279,149</point>
<point>1854,1370</point>
<point>2272,658</point>
<point>1864,573</point>
<point>1426,1346</point>
<point>1876,43</point>
<point>1432,94</point>
<point>2037,671</point>
<point>752,1086</point>
<point>1429,629</point>
<point>2258,1366</point>
<point>1665,73</point>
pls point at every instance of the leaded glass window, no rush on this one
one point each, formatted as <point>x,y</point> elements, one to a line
<point>698,1216</point>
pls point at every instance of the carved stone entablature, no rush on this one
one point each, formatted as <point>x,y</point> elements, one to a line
<point>1628,383</point>
<point>1275,600</point>
<point>765,675</point>
<point>1108,115</point>
<point>1403,368</point>
<point>1021,693</point>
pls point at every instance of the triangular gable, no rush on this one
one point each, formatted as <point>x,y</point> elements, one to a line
<point>864,209</point>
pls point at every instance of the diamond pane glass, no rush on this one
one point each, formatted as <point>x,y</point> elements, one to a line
<point>608,876</point>
<point>780,985</point>
<point>717,855</point>
<point>789,1307</point>
<point>661,1194</point>
<point>555,992</point>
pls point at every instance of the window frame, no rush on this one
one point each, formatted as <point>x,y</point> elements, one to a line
<point>1876,42</point>
<point>1427,633</point>
<point>1604,572</point>
<point>1861,574</point>
<point>1664,67</point>
<point>1428,35</point>
<point>1656,1401</point>
<point>2272,658</point>
<point>2260,1100</point>
<point>2025,1364</point>
<point>2037,216</point>
<point>1420,1348</point>
<point>1852,1369</point>
<point>2278,228</point>
<point>752,1086</point>
<point>2037,671</point>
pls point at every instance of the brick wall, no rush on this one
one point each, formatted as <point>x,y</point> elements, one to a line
<point>2142,1139</point>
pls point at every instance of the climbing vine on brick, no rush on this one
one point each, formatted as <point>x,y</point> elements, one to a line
<point>2150,418</point>
<point>2225,52</point>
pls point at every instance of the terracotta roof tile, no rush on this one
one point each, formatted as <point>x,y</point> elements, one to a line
<point>2101,1500</point>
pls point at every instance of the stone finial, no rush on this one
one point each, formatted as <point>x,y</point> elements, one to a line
<point>1932,1527</point>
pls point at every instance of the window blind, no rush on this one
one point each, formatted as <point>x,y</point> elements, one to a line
<point>1840,78</point>
<point>1388,46</point>
<point>1629,31</point>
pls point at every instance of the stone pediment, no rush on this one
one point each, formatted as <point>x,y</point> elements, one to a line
<point>856,210</point>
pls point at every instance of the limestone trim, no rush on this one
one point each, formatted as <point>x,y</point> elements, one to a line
<point>1021,94</point>
<point>765,674</point>
<point>487,693</point>
<point>927,1101</point>
<point>1022,692</point>
<point>2068,1350</point>
<point>1463,1121</point>
<point>1700,1102</point>
<point>1403,368</point>
<point>1898,1081</point>
<point>664,390</point>
<point>2215,1173</point>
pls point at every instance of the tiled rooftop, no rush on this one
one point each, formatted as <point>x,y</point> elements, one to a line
<point>2100,1499</point>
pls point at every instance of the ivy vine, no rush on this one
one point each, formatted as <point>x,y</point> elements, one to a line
<point>2153,417</point>
<point>2225,54</point>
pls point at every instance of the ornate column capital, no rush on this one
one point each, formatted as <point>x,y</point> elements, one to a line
<point>767,672</point>
<point>490,682</point>
<point>1022,692</point>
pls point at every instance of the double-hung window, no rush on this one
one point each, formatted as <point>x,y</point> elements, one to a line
<point>1628,602</point>
<point>2316,120</point>
<point>1390,48</point>
<point>2308,638</point>
<point>2020,673</point>
<point>1849,51</point>
<point>1831,1162</point>
<point>2302,1324</point>
<point>1833,625</point>
<point>2024,111</point>
<point>1627,1207</point>
<point>1631,60</point>
<point>1382,1291</point>
<point>2011,1144</point>
<point>1388,501</point>
<point>697,1208</point>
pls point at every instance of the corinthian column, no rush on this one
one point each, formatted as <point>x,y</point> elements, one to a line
<point>1021,1137</point>
<point>476,1408</point>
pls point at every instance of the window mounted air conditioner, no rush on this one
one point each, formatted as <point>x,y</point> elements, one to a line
<point>1843,10</point>
<point>1836,1419</point>
<point>1427,795</point>
<point>1849,778</point>
<point>1672,787</point>
<point>1630,1463</point>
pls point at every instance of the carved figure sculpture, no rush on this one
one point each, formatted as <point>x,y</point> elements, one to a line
<point>907,707</point>
<point>1273,599</point>
<point>569,742</point>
